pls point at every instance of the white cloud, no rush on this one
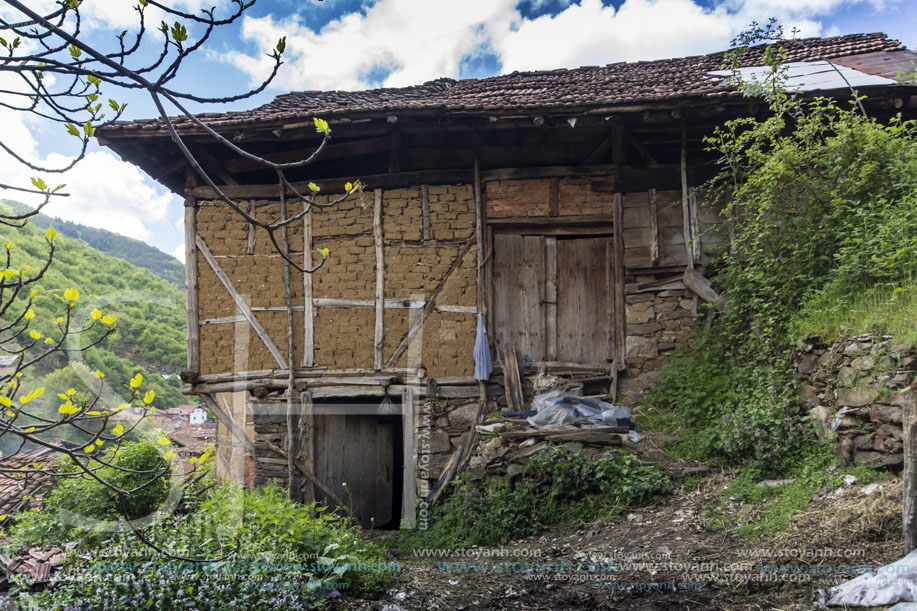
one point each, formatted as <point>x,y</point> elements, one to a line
<point>104,191</point>
<point>179,252</point>
<point>419,40</point>
<point>415,39</point>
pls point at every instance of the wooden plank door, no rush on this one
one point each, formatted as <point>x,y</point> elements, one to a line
<point>585,322</point>
<point>357,450</point>
<point>519,291</point>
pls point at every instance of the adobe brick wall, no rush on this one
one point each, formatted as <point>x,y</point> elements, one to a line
<point>344,336</point>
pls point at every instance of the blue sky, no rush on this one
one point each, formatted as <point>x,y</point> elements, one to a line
<point>357,44</point>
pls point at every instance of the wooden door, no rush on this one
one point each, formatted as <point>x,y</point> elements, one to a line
<point>578,325</point>
<point>519,284</point>
<point>358,450</point>
<point>585,323</point>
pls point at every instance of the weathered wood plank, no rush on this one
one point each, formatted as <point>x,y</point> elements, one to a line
<point>192,311</point>
<point>250,246</point>
<point>427,229</point>
<point>541,433</point>
<point>308,352</point>
<point>379,335</point>
<point>242,305</point>
<point>654,227</point>
<point>511,379</point>
<point>550,298</point>
<point>685,204</point>
<point>531,342</point>
<point>336,185</point>
<point>409,453</point>
<point>554,199</point>
<point>909,424</point>
<point>618,294</point>
<point>582,298</point>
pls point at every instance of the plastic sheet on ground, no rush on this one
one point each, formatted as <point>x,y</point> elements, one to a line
<point>559,409</point>
<point>887,585</point>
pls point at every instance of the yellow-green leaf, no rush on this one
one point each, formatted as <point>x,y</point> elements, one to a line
<point>52,233</point>
<point>149,396</point>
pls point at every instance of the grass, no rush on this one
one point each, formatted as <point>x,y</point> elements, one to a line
<point>878,310</point>
<point>768,510</point>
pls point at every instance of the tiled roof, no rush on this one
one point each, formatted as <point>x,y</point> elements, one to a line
<point>586,87</point>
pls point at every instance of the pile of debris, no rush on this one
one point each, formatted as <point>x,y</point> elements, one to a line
<point>853,391</point>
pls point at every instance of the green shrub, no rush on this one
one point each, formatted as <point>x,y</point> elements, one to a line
<point>88,498</point>
<point>558,487</point>
<point>279,555</point>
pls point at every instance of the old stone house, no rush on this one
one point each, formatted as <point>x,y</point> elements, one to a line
<point>559,205</point>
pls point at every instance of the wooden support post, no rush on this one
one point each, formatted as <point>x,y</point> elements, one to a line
<point>909,424</point>
<point>695,226</point>
<point>244,308</point>
<point>379,336</point>
<point>554,203</point>
<point>479,237</point>
<point>409,487</point>
<point>427,229</point>
<point>250,247</point>
<point>550,298</point>
<point>307,442</point>
<point>685,205</point>
<point>308,346</point>
<point>654,227</point>
<point>191,289</point>
<point>619,305</point>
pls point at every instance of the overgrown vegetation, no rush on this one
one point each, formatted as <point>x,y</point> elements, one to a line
<point>150,323</point>
<point>825,243</point>
<point>279,555</point>
<point>558,487</point>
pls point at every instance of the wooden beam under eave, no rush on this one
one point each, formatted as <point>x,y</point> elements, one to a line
<point>192,310</point>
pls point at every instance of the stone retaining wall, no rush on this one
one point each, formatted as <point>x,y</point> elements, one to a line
<point>853,392</point>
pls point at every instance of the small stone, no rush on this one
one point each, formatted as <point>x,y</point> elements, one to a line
<point>807,364</point>
<point>573,446</point>
<point>850,479</point>
<point>846,375</point>
<point>885,413</point>
<point>863,363</point>
<point>774,483</point>
<point>528,442</point>
<point>810,394</point>
<point>490,429</point>
<point>851,397</point>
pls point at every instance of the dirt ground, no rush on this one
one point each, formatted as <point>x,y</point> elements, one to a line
<point>667,556</point>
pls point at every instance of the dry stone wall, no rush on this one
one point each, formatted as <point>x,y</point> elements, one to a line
<point>853,393</point>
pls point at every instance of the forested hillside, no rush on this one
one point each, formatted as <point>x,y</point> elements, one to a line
<point>133,251</point>
<point>150,326</point>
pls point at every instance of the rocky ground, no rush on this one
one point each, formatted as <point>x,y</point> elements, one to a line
<point>672,555</point>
